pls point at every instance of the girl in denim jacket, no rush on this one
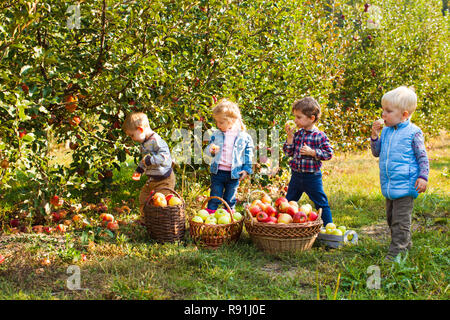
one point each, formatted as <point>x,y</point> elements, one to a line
<point>232,149</point>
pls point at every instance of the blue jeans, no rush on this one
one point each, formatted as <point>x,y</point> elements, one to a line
<point>224,187</point>
<point>311,184</point>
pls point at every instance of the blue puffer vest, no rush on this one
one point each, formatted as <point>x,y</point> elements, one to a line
<point>399,169</point>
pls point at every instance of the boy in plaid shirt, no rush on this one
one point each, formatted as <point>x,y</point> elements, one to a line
<point>308,147</point>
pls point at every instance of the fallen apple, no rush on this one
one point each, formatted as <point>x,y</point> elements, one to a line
<point>112,225</point>
<point>107,217</point>
<point>2,258</point>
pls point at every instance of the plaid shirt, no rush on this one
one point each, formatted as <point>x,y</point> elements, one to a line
<point>316,140</point>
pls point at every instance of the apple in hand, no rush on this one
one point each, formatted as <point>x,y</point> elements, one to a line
<point>291,124</point>
<point>299,217</point>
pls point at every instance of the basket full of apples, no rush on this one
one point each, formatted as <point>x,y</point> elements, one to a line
<point>164,216</point>
<point>212,230</point>
<point>282,225</point>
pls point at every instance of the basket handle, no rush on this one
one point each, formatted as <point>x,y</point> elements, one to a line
<point>205,202</point>
<point>163,188</point>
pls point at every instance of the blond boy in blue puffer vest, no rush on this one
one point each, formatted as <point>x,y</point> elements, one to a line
<point>403,163</point>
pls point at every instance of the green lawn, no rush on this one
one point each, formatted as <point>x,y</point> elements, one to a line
<point>127,265</point>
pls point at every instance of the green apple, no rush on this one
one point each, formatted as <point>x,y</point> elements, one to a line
<point>323,230</point>
<point>220,212</point>
<point>330,227</point>
<point>337,232</point>
<point>197,219</point>
<point>203,214</point>
<point>224,219</point>
<point>211,220</point>
<point>350,237</point>
<point>342,228</point>
<point>237,216</point>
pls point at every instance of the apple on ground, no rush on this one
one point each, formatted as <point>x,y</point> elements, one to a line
<point>61,228</point>
<point>279,201</point>
<point>2,258</point>
<point>112,225</point>
<point>14,223</point>
<point>284,218</point>
<point>38,228</point>
<point>107,217</point>
<point>299,217</point>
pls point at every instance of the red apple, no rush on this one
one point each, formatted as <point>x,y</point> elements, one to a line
<point>284,206</point>
<point>168,197</point>
<point>299,217</point>
<point>273,219</point>
<point>312,216</point>
<point>291,211</point>
<point>113,225</point>
<point>37,229</point>
<point>14,223</point>
<point>270,210</point>
<point>262,216</point>
<point>2,259</point>
<point>279,201</point>
<point>254,210</point>
<point>107,217</point>
<point>61,228</point>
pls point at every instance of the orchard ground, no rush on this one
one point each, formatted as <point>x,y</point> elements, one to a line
<point>128,265</point>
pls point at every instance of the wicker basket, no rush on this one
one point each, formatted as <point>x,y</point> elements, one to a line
<point>276,238</point>
<point>212,236</point>
<point>165,224</point>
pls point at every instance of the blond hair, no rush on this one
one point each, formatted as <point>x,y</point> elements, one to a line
<point>228,109</point>
<point>135,120</point>
<point>402,98</point>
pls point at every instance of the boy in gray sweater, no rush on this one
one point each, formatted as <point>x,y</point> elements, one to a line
<point>156,162</point>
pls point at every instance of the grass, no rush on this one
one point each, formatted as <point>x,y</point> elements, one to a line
<point>128,265</point>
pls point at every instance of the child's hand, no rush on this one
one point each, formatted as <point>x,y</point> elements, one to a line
<point>376,128</point>
<point>421,185</point>
<point>243,175</point>
<point>307,151</point>
<point>136,176</point>
<point>213,149</point>
<point>289,128</point>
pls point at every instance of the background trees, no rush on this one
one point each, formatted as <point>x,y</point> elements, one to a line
<point>68,75</point>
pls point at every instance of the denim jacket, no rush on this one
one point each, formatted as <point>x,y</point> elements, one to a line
<point>242,153</point>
